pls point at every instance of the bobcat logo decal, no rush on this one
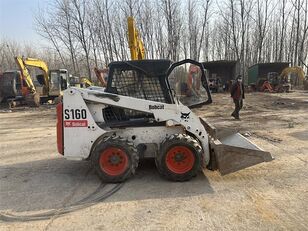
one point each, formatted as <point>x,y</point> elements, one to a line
<point>185,115</point>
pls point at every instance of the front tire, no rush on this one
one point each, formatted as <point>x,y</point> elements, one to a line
<point>179,158</point>
<point>115,159</point>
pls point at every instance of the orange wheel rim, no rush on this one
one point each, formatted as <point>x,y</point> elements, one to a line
<point>113,161</point>
<point>180,159</point>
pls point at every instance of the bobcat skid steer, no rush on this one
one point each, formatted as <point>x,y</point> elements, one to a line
<point>141,114</point>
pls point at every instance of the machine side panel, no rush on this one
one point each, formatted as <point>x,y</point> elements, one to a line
<point>80,129</point>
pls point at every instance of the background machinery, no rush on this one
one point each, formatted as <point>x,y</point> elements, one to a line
<point>20,86</point>
<point>283,82</point>
<point>138,116</point>
<point>294,75</point>
<point>101,75</point>
<point>12,86</point>
<point>74,81</point>
<point>275,83</point>
<point>215,84</point>
<point>85,82</point>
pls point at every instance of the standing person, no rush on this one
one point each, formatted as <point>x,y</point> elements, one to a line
<point>238,94</point>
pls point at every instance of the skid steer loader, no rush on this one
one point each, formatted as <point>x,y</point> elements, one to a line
<point>140,114</point>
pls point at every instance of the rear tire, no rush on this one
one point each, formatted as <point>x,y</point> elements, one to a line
<point>179,158</point>
<point>115,159</point>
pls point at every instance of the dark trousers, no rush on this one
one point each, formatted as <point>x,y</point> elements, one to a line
<point>238,106</point>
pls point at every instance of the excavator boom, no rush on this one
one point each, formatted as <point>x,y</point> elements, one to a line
<point>136,46</point>
<point>25,74</point>
<point>24,62</point>
<point>41,65</point>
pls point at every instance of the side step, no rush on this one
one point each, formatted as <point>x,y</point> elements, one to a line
<point>230,151</point>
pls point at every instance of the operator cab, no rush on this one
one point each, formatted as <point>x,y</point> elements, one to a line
<point>74,81</point>
<point>58,81</point>
<point>160,81</point>
<point>156,80</point>
<point>188,83</point>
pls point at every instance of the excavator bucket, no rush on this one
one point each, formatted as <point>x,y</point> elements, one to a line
<point>230,151</point>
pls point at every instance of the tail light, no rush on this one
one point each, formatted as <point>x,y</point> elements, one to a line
<point>60,128</point>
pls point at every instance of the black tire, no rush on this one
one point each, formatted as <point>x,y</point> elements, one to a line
<point>122,159</point>
<point>172,146</point>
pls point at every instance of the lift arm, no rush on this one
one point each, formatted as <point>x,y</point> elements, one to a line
<point>39,64</point>
<point>136,47</point>
<point>25,73</point>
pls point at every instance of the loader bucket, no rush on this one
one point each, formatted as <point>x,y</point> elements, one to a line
<point>232,152</point>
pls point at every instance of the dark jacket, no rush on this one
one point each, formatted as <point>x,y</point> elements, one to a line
<point>237,92</point>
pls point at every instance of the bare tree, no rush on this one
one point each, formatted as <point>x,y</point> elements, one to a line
<point>262,24</point>
<point>172,12</point>
<point>302,56</point>
<point>79,29</point>
<point>64,26</point>
<point>87,33</point>
<point>48,30</point>
<point>283,26</point>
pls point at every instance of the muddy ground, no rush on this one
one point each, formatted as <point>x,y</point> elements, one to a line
<point>40,190</point>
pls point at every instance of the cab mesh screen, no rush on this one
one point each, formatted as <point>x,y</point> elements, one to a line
<point>136,84</point>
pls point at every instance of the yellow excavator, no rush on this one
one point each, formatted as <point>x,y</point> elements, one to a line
<point>19,86</point>
<point>48,86</point>
<point>297,72</point>
<point>30,91</point>
<point>137,51</point>
<point>85,82</point>
<point>283,82</point>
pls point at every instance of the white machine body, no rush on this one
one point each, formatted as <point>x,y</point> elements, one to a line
<point>84,124</point>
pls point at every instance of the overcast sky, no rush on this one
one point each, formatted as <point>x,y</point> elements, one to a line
<point>17,19</point>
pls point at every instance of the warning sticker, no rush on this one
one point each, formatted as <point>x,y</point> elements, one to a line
<point>75,123</point>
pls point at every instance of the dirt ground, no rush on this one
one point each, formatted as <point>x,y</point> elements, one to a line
<point>40,190</point>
